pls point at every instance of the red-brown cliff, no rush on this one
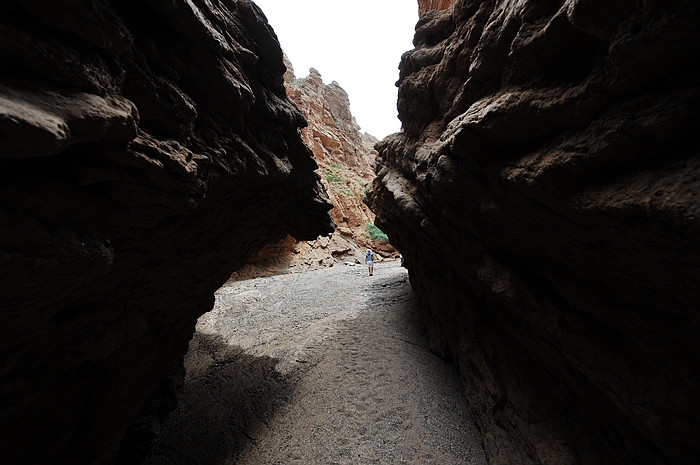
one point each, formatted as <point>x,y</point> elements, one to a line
<point>346,157</point>
<point>545,193</point>
<point>425,6</point>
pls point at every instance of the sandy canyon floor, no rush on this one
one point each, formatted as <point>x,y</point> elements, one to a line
<point>323,367</point>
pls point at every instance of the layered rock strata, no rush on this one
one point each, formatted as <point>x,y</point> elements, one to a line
<point>346,158</point>
<point>345,154</point>
<point>545,193</point>
<point>425,6</point>
<point>148,148</point>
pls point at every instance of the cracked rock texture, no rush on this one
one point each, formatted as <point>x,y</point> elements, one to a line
<point>425,6</point>
<point>148,149</point>
<point>545,193</point>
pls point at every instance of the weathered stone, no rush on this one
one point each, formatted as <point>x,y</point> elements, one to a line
<point>425,6</point>
<point>345,155</point>
<point>346,158</point>
<point>545,194</point>
<point>148,148</point>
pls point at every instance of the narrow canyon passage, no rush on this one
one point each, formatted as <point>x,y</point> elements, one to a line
<point>323,367</point>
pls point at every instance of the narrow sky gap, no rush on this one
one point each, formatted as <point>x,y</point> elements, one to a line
<point>357,44</point>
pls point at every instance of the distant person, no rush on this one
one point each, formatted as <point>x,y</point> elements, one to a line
<point>369,260</point>
<point>401,260</point>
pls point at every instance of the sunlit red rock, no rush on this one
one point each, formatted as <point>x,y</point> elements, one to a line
<point>344,153</point>
<point>425,6</point>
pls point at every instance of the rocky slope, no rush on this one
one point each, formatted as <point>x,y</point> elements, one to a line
<point>346,158</point>
<point>148,149</point>
<point>345,154</point>
<point>545,193</point>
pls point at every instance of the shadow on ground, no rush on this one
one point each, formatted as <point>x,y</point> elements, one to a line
<point>228,398</point>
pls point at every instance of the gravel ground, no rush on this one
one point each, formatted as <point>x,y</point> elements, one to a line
<point>323,367</point>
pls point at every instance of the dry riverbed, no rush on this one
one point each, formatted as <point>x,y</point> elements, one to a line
<point>323,367</point>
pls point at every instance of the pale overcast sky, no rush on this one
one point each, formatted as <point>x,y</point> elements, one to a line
<point>356,43</point>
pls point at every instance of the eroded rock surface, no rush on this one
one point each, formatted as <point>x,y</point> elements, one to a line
<point>545,193</point>
<point>148,148</point>
<point>345,154</point>
<point>425,6</point>
<point>346,158</point>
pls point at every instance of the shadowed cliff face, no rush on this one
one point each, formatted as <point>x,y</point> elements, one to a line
<point>147,149</point>
<point>545,193</point>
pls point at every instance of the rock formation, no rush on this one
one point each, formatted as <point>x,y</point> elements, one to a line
<point>425,6</point>
<point>148,148</point>
<point>545,193</point>
<point>346,157</point>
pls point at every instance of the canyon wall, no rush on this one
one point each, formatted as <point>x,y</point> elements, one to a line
<point>425,6</point>
<point>345,154</point>
<point>545,193</point>
<point>148,149</point>
<point>346,158</point>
